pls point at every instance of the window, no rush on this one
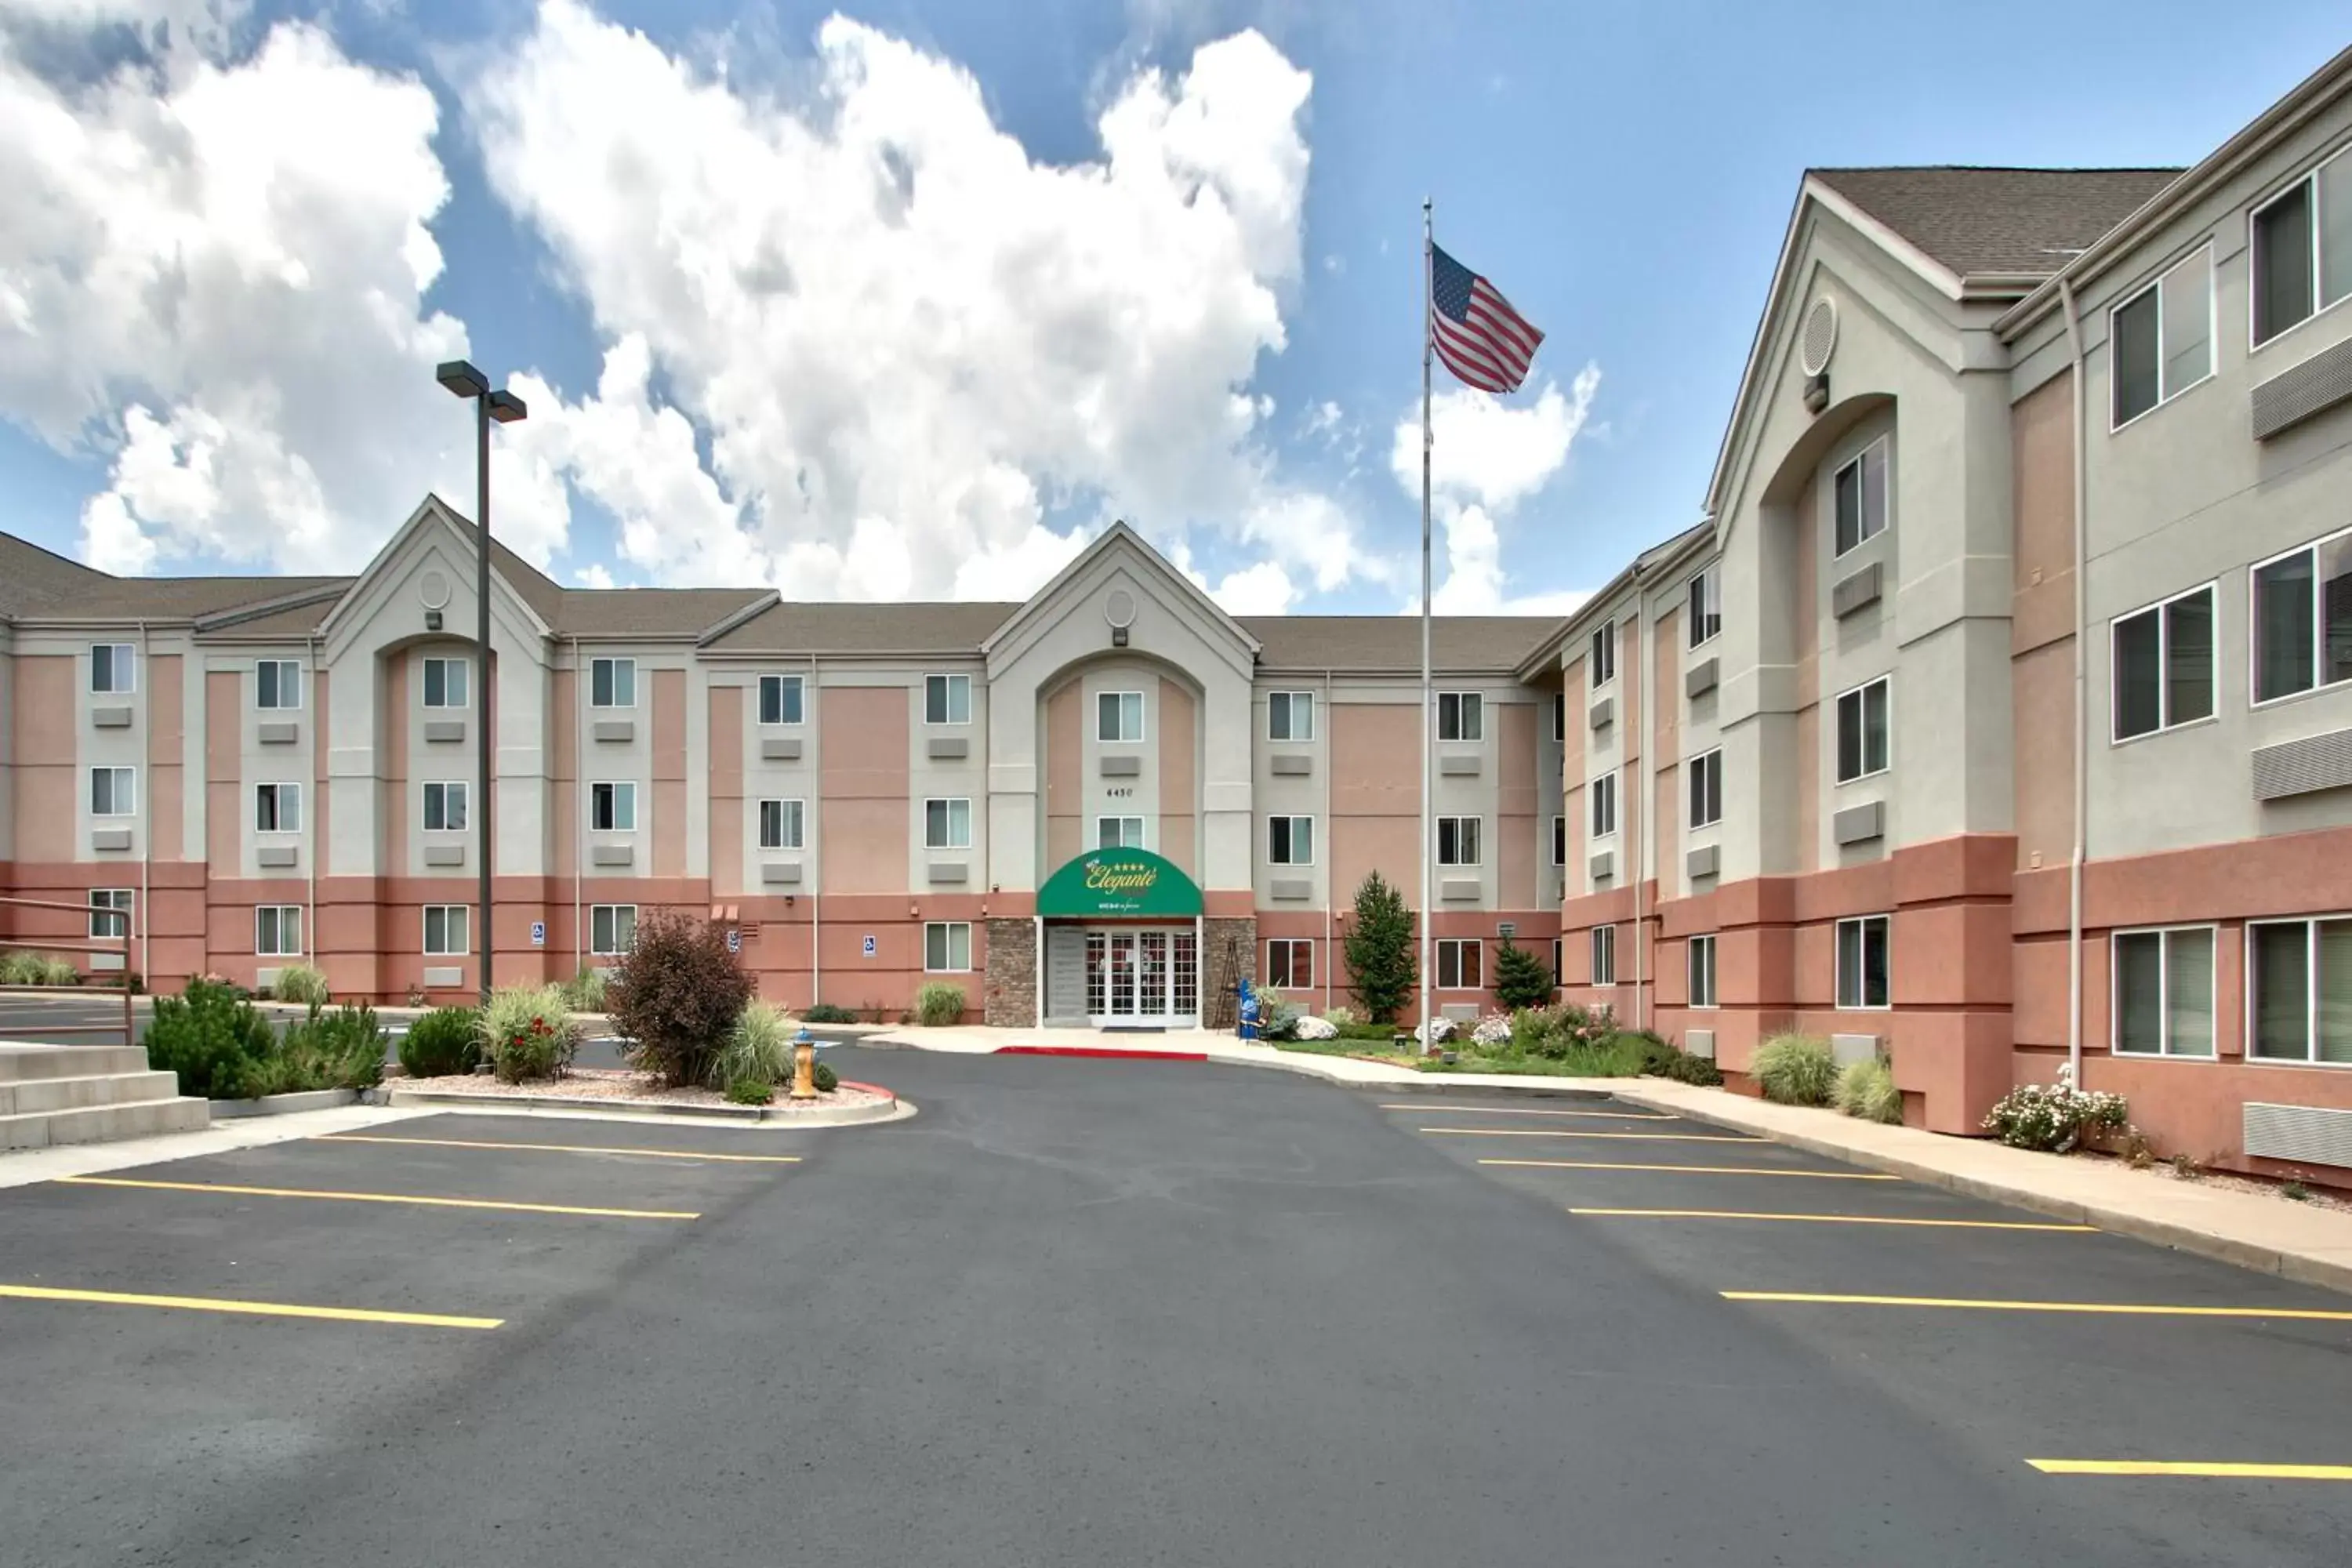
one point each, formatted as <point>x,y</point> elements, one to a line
<point>2164,993</point>
<point>1706,788</point>
<point>2160,341</point>
<point>1461,964</point>
<point>1605,806</point>
<point>1862,962</point>
<point>612,683</point>
<point>1290,715</point>
<point>1862,731</point>
<point>445,808</point>
<point>946,700</point>
<point>946,946</point>
<point>2300,990</point>
<point>1560,841</point>
<point>278,808</point>
<point>2303,249</point>
<point>1604,955</point>
<point>1457,841</point>
<point>1698,967</point>
<point>613,807</point>
<point>113,667</point>
<point>612,928</point>
<point>1461,716</point>
<point>1290,841</point>
<point>2302,619</point>
<point>947,824</point>
<point>113,792</point>
<point>1290,964</point>
<point>1604,654</point>
<point>445,682</point>
<point>278,931</point>
<point>1559,716</point>
<point>779,700</point>
<point>1859,491</point>
<point>117,899</point>
<point>1119,832</point>
<point>781,823</point>
<point>278,683</point>
<point>445,931</point>
<point>1119,716</point>
<point>2164,665</point>
<point>1706,606</point>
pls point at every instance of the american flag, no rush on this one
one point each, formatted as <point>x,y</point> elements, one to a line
<point>1476,333</point>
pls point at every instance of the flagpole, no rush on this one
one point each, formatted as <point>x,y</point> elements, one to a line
<point>1428,704</point>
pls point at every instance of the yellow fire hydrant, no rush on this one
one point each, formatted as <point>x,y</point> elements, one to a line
<point>804,1064</point>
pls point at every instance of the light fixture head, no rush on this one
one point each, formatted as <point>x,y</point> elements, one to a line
<point>461,378</point>
<point>506,407</point>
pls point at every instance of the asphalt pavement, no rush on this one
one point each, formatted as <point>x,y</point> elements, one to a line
<point>1092,1312</point>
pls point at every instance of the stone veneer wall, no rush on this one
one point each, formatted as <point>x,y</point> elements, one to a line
<point>1230,952</point>
<point>1009,999</point>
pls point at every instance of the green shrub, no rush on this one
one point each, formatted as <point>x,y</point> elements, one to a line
<point>18,967</point>
<point>750,1091</point>
<point>2056,1118</point>
<point>528,1032</point>
<point>1866,1089</point>
<point>758,1049</point>
<point>824,1077</point>
<point>828,1012</point>
<point>341,1049</point>
<point>1342,1019</point>
<point>1795,1069</point>
<point>210,1038</point>
<point>445,1040</point>
<point>304,983</point>
<point>1277,1019</point>
<point>675,994</point>
<point>1683,1067</point>
<point>1522,979</point>
<point>939,1003</point>
<point>59,971</point>
<point>1379,949</point>
<point>584,991</point>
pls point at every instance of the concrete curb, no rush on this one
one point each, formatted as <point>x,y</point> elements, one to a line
<point>632,1110</point>
<point>284,1104</point>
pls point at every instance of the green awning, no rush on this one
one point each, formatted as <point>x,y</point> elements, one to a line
<point>1118,883</point>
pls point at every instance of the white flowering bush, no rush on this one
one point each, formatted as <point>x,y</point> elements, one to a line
<point>1313,1029</point>
<point>1440,1030</point>
<point>1494,1029</point>
<point>2056,1118</point>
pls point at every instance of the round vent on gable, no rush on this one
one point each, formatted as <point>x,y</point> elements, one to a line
<point>433,588</point>
<point>1118,609</point>
<point>1818,337</point>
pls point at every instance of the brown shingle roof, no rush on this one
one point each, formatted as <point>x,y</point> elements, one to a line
<point>1981,220</point>
<point>1394,642</point>
<point>940,626</point>
<point>648,612</point>
<point>32,577</point>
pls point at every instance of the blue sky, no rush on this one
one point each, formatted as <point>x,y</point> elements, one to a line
<point>1623,171</point>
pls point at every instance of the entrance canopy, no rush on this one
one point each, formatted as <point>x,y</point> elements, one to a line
<point>1118,884</point>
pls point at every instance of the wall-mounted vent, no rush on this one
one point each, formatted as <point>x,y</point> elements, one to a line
<point>2289,398</point>
<point>2299,767</point>
<point>1817,339</point>
<point>2306,1133</point>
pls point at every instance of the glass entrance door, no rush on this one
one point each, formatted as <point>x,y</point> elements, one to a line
<point>1142,978</point>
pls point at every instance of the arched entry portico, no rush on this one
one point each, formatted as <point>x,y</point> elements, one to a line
<point>1119,942</point>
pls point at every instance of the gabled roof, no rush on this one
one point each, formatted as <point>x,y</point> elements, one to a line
<point>2014,223</point>
<point>1662,558</point>
<point>38,585</point>
<point>650,612</point>
<point>1355,643</point>
<point>947,626</point>
<point>1119,536</point>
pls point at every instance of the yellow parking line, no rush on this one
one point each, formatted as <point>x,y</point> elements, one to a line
<point>2120,1309</point>
<point>1832,1219</point>
<point>1514,1111</point>
<point>376,1198</point>
<point>2192,1468</point>
<point>1631,1137</point>
<point>561,1147</point>
<point>259,1309</point>
<point>1696,1170</point>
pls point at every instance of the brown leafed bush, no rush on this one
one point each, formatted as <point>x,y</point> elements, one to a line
<point>675,994</point>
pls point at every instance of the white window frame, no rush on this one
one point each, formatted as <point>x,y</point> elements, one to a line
<point>1294,950</point>
<point>2308,181</point>
<point>123,901</point>
<point>288,674</point>
<point>947,685</point>
<point>612,665</point>
<point>465,810</point>
<point>1604,657</point>
<point>1601,955</point>
<point>799,688</point>
<point>1478,850</point>
<point>465,917</point>
<point>948,803</point>
<point>119,657</point>
<point>2212,1051</point>
<point>1467,706</point>
<point>1125,842</point>
<point>1861,979</point>
<point>464,668</point>
<point>621,790</point>
<point>1863,534</point>
<point>2311,1056</point>
<point>2318,624</point>
<point>279,795</point>
<point>276,947</point>
<point>2165,722</point>
<point>2212,336</point>
<point>122,791</point>
<point>606,942</point>
<point>1695,950</point>
<point>1454,947</point>
<point>1559,838</point>
<point>1862,716</point>
<point>1707,765</point>
<point>1703,605</point>
<point>1290,730</point>
<point>1126,703</point>
<point>948,930</point>
<point>1290,855</point>
<point>1602,789</point>
<point>792,822</point>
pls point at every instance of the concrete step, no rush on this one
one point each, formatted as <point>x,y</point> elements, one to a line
<point>72,1093</point>
<point>104,1123</point>
<point>20,1061</point>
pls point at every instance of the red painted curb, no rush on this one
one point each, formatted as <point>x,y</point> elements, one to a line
<point>1110,1052</point>
<point>889,1094</point>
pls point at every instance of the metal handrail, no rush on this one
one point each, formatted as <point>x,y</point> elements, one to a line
<point>102,944</point>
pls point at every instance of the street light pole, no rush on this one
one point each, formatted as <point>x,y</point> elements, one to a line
<point>464,381</point>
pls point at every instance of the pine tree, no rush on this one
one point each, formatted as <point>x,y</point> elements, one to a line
<point>1380,950</point>
<point>1521,979</point>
